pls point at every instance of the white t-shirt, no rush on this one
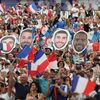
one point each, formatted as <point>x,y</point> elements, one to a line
<point>75,12</point>
<point>6,96</point>
<point>82,12</point>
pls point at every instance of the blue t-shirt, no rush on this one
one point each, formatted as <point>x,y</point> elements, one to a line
<point>61,24</point>
<point>75,25</point>
<point>59,96</point>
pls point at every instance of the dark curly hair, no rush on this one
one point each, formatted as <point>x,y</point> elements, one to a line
<point>63,64</point>
<point>37,85</point>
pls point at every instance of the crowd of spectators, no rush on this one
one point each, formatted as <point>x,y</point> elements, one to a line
<point>53,84</point>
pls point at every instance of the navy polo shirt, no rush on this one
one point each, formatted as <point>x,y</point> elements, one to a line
<point>21,91</point>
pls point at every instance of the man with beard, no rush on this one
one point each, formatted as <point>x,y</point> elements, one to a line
<point>26,37</point>
<point>60,39</point>
<point>80,41</point>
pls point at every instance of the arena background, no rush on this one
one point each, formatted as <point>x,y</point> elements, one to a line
<point>9,3</point>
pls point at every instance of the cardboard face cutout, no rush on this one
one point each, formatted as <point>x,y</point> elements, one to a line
<point>11,41</point>
<point>80,41</point>
<point>60,39</point>
<point>26,37</point>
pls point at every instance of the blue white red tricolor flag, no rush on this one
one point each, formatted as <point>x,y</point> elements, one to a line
<point>5,46</point>
<point>32,68</point>
<point>24,52</point>
<point>26,55</point>
<point>40,63</point>
<point>32,8</point>
<point>82,85</point>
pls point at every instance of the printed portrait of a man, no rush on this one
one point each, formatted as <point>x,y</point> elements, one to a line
<point>60,39</point>
<point>26,37</point>
<point>80,41</point>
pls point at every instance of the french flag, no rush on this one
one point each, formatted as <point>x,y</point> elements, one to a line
<point>31,54</point>
<point>82,85</point>
<point>2,7</point>
<point>32,8</point>
<point>22,63</point>
<point>24,52</point>
<point>93,47</point>
<point>53,61</point>
<point>40,63</point>
<point>32,68</point>
<point>26,55</point>
<point>5,46</point>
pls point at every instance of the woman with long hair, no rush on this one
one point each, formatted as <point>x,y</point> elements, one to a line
<point>34,92</point>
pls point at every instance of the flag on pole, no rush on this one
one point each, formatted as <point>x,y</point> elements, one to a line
<point>24,52</point>
<point>40,63</point>
<point>26,55</point>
